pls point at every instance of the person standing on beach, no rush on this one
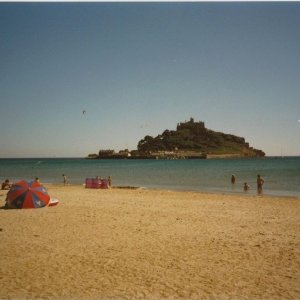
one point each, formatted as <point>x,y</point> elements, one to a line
<point>260,183</point>
<point>109,181</point>
<point>65,179</point>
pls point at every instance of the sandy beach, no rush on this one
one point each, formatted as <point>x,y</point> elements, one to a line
<point>151,244</point>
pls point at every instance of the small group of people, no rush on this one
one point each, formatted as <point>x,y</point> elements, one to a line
<point>66,182</point>
<point>259,182</point>
<point>6,184</point>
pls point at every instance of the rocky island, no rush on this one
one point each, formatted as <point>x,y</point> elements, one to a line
<point>190,140</point>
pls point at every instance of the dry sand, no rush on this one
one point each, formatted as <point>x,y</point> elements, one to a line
<point>142,244</point>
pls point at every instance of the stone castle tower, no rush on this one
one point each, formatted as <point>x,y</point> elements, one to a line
<point>196,127</point>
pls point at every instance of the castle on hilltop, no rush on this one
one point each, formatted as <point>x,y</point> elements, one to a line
<point>196,127</point>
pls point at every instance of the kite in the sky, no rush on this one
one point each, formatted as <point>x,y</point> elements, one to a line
<point>83,112</point>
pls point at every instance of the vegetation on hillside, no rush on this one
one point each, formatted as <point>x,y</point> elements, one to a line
<point>193,136</point>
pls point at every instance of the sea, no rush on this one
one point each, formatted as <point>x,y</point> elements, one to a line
<point>281,174</point>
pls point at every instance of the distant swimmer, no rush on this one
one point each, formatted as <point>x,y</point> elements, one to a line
<point>232,179</point>
<point>246,187</point>
<point>260,182</point>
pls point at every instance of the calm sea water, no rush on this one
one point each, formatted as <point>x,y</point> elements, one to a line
<point>281,175</point>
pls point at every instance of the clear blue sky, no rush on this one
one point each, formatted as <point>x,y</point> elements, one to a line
<point>139,68</point>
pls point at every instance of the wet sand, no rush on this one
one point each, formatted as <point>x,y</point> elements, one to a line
<point>151,244</point>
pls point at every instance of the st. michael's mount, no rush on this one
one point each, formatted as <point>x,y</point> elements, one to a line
<point>190,140</point>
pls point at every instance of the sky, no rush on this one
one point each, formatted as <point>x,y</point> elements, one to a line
<point>139,68</point>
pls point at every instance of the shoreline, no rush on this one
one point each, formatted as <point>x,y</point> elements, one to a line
<point>151,244</point>
<point>233,193</point>
<point>204,192</point>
